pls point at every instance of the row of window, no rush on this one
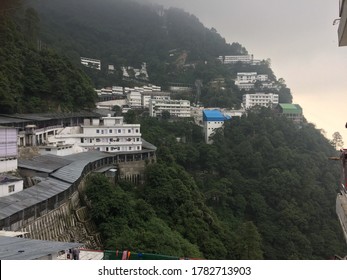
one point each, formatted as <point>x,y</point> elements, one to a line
<point>123,130</point>
<point>112,149</point>
<point>106,140</point>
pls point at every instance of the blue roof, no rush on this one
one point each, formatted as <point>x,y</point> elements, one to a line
<point>214,115</point>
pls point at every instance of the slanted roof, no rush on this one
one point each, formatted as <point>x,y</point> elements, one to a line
<point>26,198</point>
<point>73,171</point>
<point>44,163</point>
<point>288,108</point>
<point>14,248</point>
<point>213,115</point>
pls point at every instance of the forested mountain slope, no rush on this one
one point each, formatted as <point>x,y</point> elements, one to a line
<point>34,78</point>
<point>264,189</point>
<point>126,33</point>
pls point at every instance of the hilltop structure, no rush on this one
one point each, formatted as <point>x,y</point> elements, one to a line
<point>91,63</point>
<point>248,80</point>
<point>231,59</point>
<point>291,111</point>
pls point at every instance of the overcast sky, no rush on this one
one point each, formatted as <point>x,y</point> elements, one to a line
<point>300,39</point>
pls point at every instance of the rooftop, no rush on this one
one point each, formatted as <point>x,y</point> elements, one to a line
<point>290,108</point>
<point>214,115</point>
<point>14,248</point>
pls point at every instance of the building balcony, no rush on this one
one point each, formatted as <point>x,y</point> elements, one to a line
<point>342,31</point>
<point>108,144</point>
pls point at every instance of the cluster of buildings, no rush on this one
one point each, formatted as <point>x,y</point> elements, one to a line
<point>129,72</point>
<point>148,97</point>
<point>59,151</point>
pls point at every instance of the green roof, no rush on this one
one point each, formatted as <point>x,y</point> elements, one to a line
<point>288,108</point>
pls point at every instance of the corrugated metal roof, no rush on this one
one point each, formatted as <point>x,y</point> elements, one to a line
<point>45,163</point>
<point>291,108</point>
<point>9,120</point>
<point>14,248</point>
<point>42,191</point>
<point>70,173</point>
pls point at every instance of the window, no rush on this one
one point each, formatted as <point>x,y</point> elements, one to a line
<point>110,131</point>
<point>11,188</point>
<point>129,130</point>
<point>137,131</point>
<point>97,131</point>
<point>119,130</point>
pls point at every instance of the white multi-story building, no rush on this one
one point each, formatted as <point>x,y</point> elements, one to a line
<point>251,77</point>
<point>176,108</point>
<point>134,99</point>
<point>260,99</point>
<point>91,63</point>
<point>158,96</point>
<point>212,119</point>
<point>108,134</point>
<point>229,59</point>
<point>247,80</point>
<point>247,58</point>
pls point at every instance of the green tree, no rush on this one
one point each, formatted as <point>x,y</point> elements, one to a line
<point>337,140</point>
<point>248,242</point>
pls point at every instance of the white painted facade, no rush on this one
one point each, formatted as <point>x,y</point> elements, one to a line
<point>61,150</point>
<point>210,128</point>
<point>247,80</point>
<point>134,99</point>
<point>108,134</point>
<point>260,99</point>
<point>228,59</point>
<point>176,108</point>
<point>146,97</point>
<point>212,120</point>
<point>245,86</point>
<point>10,186</point>
<point>8,164</point>
<point>91,63</point>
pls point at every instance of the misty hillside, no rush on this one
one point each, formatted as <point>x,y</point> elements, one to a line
<point>263,190</point>
<point>126,33</point>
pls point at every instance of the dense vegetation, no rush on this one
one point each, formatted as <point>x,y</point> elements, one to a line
<point>264,189</point>
<point>175,45</point>
<point>126,33</point>
<point>33,78</point>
